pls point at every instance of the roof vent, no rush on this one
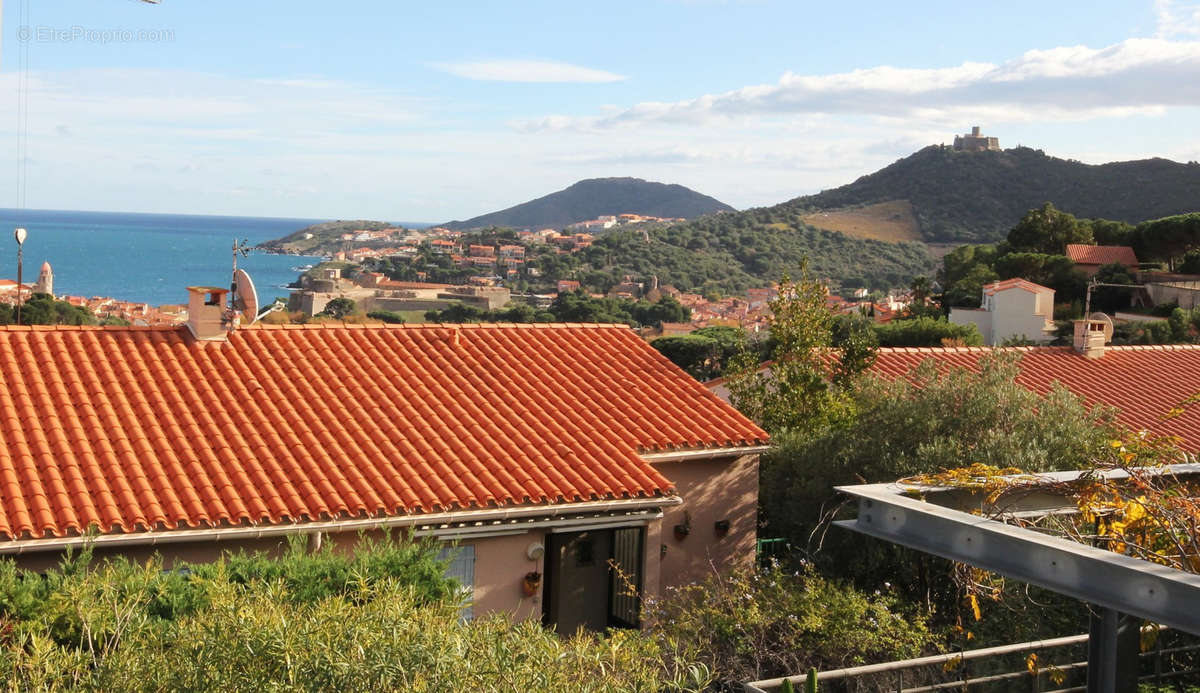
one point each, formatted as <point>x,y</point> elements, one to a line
<point>206,312</point>
<point>1092,334</point>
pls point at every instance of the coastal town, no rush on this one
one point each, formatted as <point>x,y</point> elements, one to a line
<point>671,347</point>
<point>106,309</point>
<point>491,269</point>
<point>494,267</point>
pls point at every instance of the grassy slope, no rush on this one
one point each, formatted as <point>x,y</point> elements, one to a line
<point>892,221</point>
<point>977,197</point>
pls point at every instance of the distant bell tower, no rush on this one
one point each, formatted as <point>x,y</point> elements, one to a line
<point>45,282</point>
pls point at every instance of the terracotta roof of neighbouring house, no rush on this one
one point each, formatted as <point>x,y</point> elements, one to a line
<point>1101,254</point>
<point>1015,283</point>
<point>1142,382</point>
<point>136,429</point>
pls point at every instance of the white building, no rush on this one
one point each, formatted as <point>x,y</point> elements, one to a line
<point>1011,308</point>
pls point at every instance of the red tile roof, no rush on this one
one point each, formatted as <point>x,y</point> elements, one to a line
<point>1143,382</point>
<point>1101,254</point>
<point>143,428</point>
<point>1015,283</point>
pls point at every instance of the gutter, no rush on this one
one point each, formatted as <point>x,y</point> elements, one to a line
<point>554,526</point>
<point>711,453</point>
<point>430,523</point>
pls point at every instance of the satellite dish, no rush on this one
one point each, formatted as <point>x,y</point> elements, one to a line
<point>1108,324</point>
<point>275,307</point>
<point>246,302</point>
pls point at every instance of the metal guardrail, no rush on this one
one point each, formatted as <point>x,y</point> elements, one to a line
<point>899,667</point>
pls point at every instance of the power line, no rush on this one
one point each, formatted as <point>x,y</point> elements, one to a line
<point>25,38</point>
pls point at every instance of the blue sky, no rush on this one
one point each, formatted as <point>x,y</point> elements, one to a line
<point>429,112</point>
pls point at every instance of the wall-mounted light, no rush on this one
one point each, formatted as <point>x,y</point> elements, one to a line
<point>535,551</point>
<point>721,527</point>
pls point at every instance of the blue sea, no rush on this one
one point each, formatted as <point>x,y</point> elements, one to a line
<point>148,258</point>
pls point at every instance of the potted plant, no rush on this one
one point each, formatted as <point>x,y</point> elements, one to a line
<point>684,529</point>
<point>530,583</point>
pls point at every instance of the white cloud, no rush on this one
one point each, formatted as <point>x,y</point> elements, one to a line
<point>526,71</point>
<point>1068,83</point>
<point>1177,18</point>
<point>301,145</point>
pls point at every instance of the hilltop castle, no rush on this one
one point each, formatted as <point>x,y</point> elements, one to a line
<point>975,142</point>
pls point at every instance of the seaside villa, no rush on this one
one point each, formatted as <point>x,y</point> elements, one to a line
<point>542,455</point>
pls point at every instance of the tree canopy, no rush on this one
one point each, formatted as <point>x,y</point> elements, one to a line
<point>338,308</point>
<point>1047,230</point>
<point>44,309</point>
<point>1168,239</point>
<point>704,353</point>
<point>801,390</point>
<point>576,306</point>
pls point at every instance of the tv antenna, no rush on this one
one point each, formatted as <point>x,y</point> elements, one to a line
<point>1092,285</point>
<point>243,297</point>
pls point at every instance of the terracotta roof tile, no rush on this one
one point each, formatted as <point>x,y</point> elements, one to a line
<point>137,428</point>
<point>1142,383</point>
<point>1101,254</point>
<point>1015,283</point>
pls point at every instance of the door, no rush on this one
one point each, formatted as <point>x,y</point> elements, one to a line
<point>625,581</point>
<point>593,579</point>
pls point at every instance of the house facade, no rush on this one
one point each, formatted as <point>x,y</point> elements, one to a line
<point>562,451</point>
<point>1013,308</point>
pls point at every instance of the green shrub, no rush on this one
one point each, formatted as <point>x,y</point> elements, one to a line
<point>388,316</point>
<point>310,576</point>
<point>266,639</point>
<point>376,620</point>
<point>50,599</point>
<point>757,624</point>
<point>920,332</point>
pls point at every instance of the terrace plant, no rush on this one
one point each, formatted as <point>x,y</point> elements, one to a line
<point>751,625</point>
<point>372,621</point>
<point>1126,500</point>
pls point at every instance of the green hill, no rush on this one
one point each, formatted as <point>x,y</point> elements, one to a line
<point>735,251</point>
<point>320,239</point>
<point>591,198</point>
<point>976,197</point>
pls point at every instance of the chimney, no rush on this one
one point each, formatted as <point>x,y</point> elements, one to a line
<point>206,312</point>
<point>1090,338</point>
<point>975,131</point>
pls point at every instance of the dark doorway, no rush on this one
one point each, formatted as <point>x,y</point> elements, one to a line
<point>593,579</point>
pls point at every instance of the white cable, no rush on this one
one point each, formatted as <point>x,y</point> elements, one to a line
<point>25,36</point>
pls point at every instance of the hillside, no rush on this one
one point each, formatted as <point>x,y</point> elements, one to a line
<point>885,221</point>
<point>979,196</point>
<point>739,250</point>
<point>320,239</point>
<point>591,198</point>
